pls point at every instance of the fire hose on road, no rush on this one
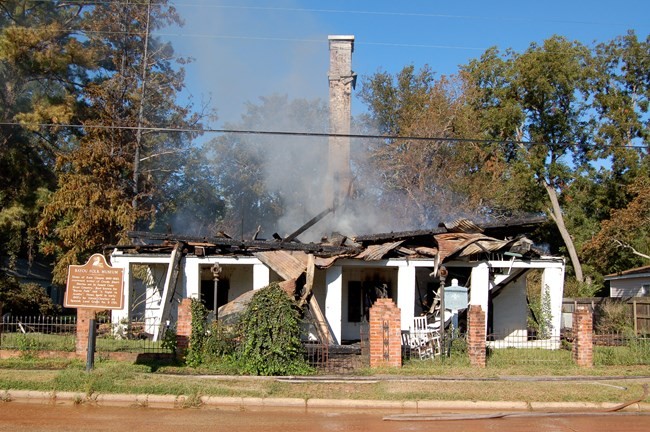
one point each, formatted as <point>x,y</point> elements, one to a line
<point>450,417</point>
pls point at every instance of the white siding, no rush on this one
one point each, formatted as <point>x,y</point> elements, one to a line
<point>628,287</point>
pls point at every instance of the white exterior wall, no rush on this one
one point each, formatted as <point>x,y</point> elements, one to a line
<point>153,288</point>
<point>334,300</point>
<point>261,276</point>
<point>189,284</point>
<point>125,261</point>
<point>480,287</point>
<point>510,311</point>
<point>553,283</point>
<point>406,294</point>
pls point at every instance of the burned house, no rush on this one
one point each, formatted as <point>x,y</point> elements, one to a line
<point>339,279</point>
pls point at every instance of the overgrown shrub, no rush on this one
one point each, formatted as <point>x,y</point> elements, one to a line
<point>612,316</point>
<point>28,299</point>
<point>270,335</point>
<point>220,341</point>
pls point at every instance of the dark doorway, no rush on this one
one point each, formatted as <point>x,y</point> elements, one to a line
<point>207,293</point>
<point>362,295</point>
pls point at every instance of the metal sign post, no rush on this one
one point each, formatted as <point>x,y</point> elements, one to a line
<point>92,339</point>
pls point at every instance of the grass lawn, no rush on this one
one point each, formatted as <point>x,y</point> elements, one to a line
<point>417,380</point>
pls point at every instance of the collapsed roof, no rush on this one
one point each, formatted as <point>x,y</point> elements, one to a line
<point>460,240</point>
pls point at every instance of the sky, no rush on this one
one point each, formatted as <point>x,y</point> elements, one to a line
<point>245,49</point>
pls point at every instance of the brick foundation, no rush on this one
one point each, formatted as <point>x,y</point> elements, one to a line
<point>184,325</point>
<point>83,326</point>
<point>385,334</point>
<point>476,347</point>
<point>583,346</point>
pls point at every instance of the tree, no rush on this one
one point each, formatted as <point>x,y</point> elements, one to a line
<point>621,100</point>
<point>271,181</point>
<point>41,64</point>
<point>622,241</point>
<point>438,178</point>
<point>113,177</point>
<point>536,102</point>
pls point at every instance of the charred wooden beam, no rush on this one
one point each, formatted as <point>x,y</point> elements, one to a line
<point>399,235</point>
<point>311,222</point>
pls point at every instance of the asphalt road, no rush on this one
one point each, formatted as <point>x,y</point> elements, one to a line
<point>18,417</point>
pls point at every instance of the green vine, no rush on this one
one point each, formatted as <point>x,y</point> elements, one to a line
<point>542,315</point>
<point>270,335</point>
<point>194,355</point>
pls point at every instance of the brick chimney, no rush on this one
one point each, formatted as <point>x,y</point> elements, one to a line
<point>342,81</point>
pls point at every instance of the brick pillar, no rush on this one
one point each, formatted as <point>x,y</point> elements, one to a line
<point>83,322</point>
<point>476,336</point>
<point>385,334</point>
<point>583,347</point>
<point>184,325</point>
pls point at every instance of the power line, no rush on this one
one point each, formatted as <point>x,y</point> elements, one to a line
<point>312,134</point>
<point>403,14</point>
<point>355,12</point>
<point>331,11</point>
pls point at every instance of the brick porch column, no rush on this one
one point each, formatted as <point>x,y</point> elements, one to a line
<point>83,322</point>
<point>583,346</point>
<point>184,325</point>
<point>476,336</point>
<point>385,334</point>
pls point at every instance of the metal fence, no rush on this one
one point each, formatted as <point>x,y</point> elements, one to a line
<point>637,310</point>
<point>40,333</point>
<point>519,338</point>
<point>624,348</point>
<point>609,349</point>
<point>332,357</point>
<point>47,333</point>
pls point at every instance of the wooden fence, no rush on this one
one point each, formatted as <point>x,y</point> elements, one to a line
<point>638,309</point>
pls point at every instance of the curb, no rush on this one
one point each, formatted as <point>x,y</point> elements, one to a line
<point>179,402</point>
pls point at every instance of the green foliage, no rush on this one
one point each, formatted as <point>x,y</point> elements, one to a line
<point>28,299</point>
<point>433,180</point>
<point>613,316</point>
<point>221,341</point>
<point>636,351</point>
<point>575,289</point>
<point>169,341</point>
<point>194,356</point>
<point>270,335</point>
<point>541,314</point>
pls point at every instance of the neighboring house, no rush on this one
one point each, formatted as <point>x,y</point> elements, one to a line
<point>630,283</point>
<point>348,274</point>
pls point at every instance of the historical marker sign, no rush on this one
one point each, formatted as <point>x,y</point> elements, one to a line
<point>95,285</point>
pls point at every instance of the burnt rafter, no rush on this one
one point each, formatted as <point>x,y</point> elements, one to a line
<point>510,227</point>
<point>401,235</point>
<point>247,245</point>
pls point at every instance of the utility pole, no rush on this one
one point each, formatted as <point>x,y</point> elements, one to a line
<point>143,92</point>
